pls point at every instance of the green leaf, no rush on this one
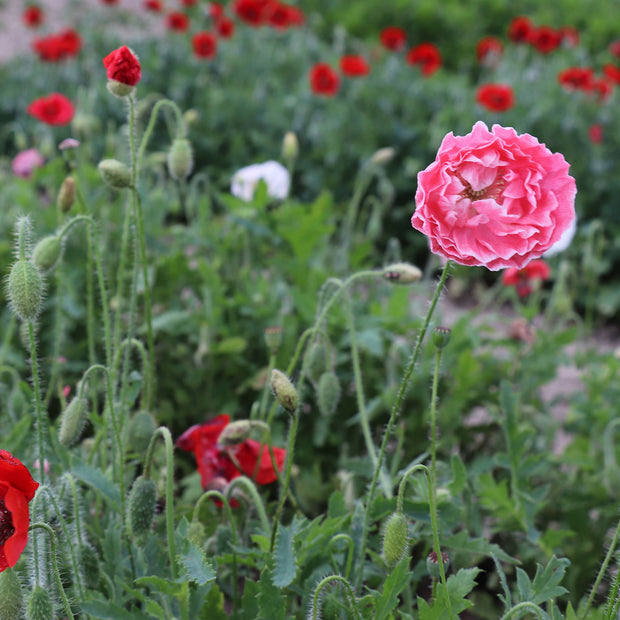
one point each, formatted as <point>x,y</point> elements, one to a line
<point>459,475</point>
<point>165,586</point>
<point>545,585</point>
<point>197,569</point>
<point>249,602</point>
<point>458,586</point>
<point>462,543</point>
<point>393,586</point>
<point>109,611</point>
<point>271,602</point>
<point>285,562</point>
<point>95,478</point>
<point>173,322</point>
<point>213,608</point>
<point>231,346</point>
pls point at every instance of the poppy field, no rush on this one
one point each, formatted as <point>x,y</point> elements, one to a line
<point>309,315</point>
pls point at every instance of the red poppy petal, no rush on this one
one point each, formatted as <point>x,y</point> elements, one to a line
<point>16,474</point>
<point>17,505</point>
<point>247,453</point>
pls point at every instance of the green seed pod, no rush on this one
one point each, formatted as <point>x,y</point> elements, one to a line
<point>115,173</point>
<point>284,390</point>
<point>432,565</point>
<point>40,605</point>
<point>141,509</point>
<point>180,159</point>
<point>11,596</point>
<point>395,539</point>
<point>72,421</point>
<point>25,290</point>
<point>328,393</point>
<point>273,338</point>
<point>441,336</point>
<point>316,360</point>
<point>402,273</point>
<point>47,252</point>
<point>140,430</point>
<point>66,195</point>
<point>290,147</point>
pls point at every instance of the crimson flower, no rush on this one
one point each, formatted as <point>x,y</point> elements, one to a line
<point>595,133</point>
<point>576,78</point>
<point>56,47</point>
<point>33,16</point>
<point>177,21</point>
<point>204,45</point>
<point>495,97</point>
<point>545,39</point>
<point>216,10</point>
<point>324,80</point>
<point>225,27</point>
<point>524,279</point>
<point>17,488</point>
<point>520,29</point>
<point>277,15</point>
<point>252,12</point>
<point>393,38</point>
<point>489,49</point>
<point>55,109</point>
<point>354,66</point>
<point>153,5</point>
<point>602,87</point>
<point>123,66</point>
<point>427,56</point>
<point>612,72</point>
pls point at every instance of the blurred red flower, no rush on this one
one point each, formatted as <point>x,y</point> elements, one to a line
<point>153,5</point>
<point>524,279</point>
<point>393,38</point>
<point>602,88</point>
<point>575,78</point>
<point>495,97</point>
<point>570,36</point>
<point>216,10</point>
<point>189,3</point>
<point>324,80</point>
<point>123,66</point>
<point>177,21</point>
<point>55,47</point>
<point>614,48</point>
<point>17,488</point>
<point>354,66</point>
<point>33,16</point>
<point>427,56</point>
<point>612,72</point>
<point>545,39</point>
<point>277,15</point>
<point>225,27</point>
<point>204,45</point>
<point>252,12</point>
<point>595,133</point>
<point>519,29</point>
<point>489,49</point>
<point>55,109</point>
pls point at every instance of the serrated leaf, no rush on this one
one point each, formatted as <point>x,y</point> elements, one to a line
<point>462,543</point>
<point>458,586</point>
<point>95,478</point>
<point>545,585</point>
<point>197,569</point>
<point>165,586</point>
<point>249,602</point>
<point>395,583</point>
<point>285,562</point>
<point>213,608</point>
<point>108,610</point>
<point>154,609</point>
<point>271,602</point>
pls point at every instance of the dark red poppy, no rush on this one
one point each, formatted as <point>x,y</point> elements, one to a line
<point>204,45</point>
<point>56,47</point>
<point>324,80</point>
<point>177,21</point>
<point>545,39</point>
<point>252,12</point>
<point>153,5</point>
<point>55,109</point>
<point>520,29</point>
<point>595,133</point>
<point>427,56</point>
<point>17,488</point>
<point>216,10</point>
<point>576,78</point>
<point>296,16</point>
<point>489,49</point>
<point>123,66</point>
<point>393,38</point>
<point>33,16</point>
<point>495,97</point>
<point>524,279</point>
<point>277,15</point>
<point>354,65</point>
<point>612,72</point>
<point>570,36</point>
<point>225,27</point>
<point>189,3</point>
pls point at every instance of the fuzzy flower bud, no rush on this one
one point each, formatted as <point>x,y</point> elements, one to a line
<point>40,605</point>
<point>395,539</point>
<point>402,273</point>
<point>197,533</point>
<point>328,393</point>
<point>284,390</point>
<point>140,430</point>
<point>382,156</point>
<point>273,338</point>
<point>316,365</point>
<point>66,195</point>
<point>47,252</point>
<point>141,509</point>
<point>432,564</point>
<point>10,595</point>
<point>73,421</point>
<point>441,336</point>
<point>115,173</point>
<point>25,290</point>
<point>180,159</point>
<point>239,430</point>
<point>290,147</point>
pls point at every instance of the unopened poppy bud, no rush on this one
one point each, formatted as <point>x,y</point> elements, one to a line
<point>40,605</point>
<point>47,252</point>
<point>118,89</point>
<point>402,273</point>
<point>115,173</point>
<point>72,421</point>
<point>432,565</point>
<point>191,117</point>
<point>140,430</point>
<point>328,393</point>
<point>25,290</point>
<point>180,159</point>
<point>11,597</point>
<point>66,195</point>
<point>239,430</point>
<point>141,508</point>
<point>395,539</point>
<point>290,147</point>
<point>382,156</point>
<point>441,336</point>
<point>197,533</point>
<point>284,390</point>
<point>273,339</point>
<point>316,364</point>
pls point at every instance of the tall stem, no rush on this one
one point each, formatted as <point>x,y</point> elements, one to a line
<point>42,421</point>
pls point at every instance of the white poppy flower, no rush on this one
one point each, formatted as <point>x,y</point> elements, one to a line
<point>273,173</point>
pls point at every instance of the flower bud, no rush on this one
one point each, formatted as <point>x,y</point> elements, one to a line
<point>140,430</point>
<point>402,273</point>
<point>115,173</point>
<point>118,89</point>
<point>11,597</point>
<point>72,421</point>
<point>432,565</point>
<point>47,252</point>
<point>239,430</point>
<point>180,159</point>
<point>141,509</point>
<point>328,393</point>
<point>290,147</point>
<point>40,605</point>
<point>441,336</point>
<point>273,338</point>
<point>25,290</point>
<point>197,533</point>
<point>66,195</point>
<point>395,539</point>
<point>382,156</point>
<point>191,117</point>
<point>316,365</point>
<point>284,390</point>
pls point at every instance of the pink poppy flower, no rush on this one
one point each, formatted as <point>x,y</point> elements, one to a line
<point>26,161</point>
<point>494,198</point>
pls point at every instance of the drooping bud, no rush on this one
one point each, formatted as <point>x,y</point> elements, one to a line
<point>290,147</point>
<point>328,393</point>
<point>140,430</point>
<point>115,173</point>
<point>40,605</point>
<point>180,159</point>
<point>273,338</point>
<point>66,195</point>
<point>316,364</point>
<point>141,509</point>
<point>402,273</point>
<point>284,390</point>
<point>47,252</point>
<point>11,596</point>
<point>441,336</point>
<point>72,421</point>
<point>395,539</point>
<point>239,430</point>
<point>25,290</point>
<point>432,564</point>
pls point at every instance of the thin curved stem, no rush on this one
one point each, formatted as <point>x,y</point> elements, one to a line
<point>316,600</point>
<point>42,422</point>
<point>250,487</point>
<point>350,552</point>
<point>524,606</point>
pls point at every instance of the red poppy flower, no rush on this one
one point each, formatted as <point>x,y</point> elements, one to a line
<point>252,12</point>
<point>17,488</point>
<point>205,45</point>
<point>525,278</point>
<point>216,10</point>
<point>109,1</point>
<point>393,38</point>
<point>545,39</point>
<point>602,88</point>
<point>427,56</point>
<point>177,21</point>
<point>570,36</point>
<point>489,49</point>
<point>55,109</point>
<point>189,3</point>
<point>32,16</point>
<point>123,66</point>
<point>612,72</point>
<point>225,27</point>
<point>576,78</point>
<point>153,5</point>
<point>324,80</point>
<point>354,66</point>
<point>614,48</point>
<point>277,15</point>
<point>520,29</point>
<point>55,47</point>
<point>296,16</point>
<point>595,133</point>
<point>495,97</point>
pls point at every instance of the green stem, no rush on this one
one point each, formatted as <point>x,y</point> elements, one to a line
<point>42,422</point>
<point>250,487</point>
<point>524,606</point>
<point>316,600</point>
<point>8,335</point>
<point>350,552</point>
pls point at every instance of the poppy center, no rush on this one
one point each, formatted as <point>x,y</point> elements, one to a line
<point>492,191</point>
<point>6,523</point>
